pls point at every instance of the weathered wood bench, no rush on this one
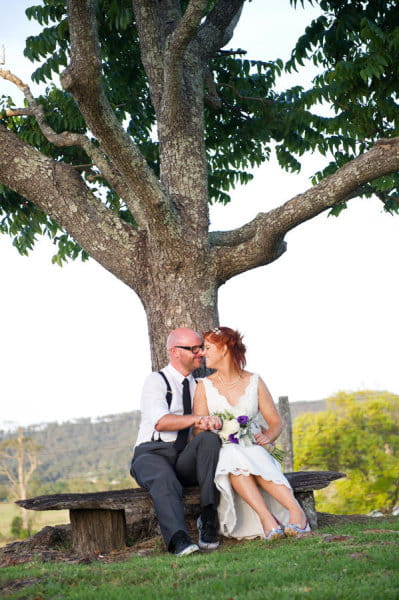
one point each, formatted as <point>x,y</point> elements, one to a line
<point>101,521</point>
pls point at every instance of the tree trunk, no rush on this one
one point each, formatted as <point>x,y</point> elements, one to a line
<point>21,477</point>
<point>179,295</point>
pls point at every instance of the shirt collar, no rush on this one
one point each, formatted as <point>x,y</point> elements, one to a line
<point>177,375</point>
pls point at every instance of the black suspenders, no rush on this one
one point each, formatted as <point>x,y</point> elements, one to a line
<point>168,400</point>
<point>168,389</point>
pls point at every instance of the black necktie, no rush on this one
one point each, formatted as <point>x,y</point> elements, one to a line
<point>182,435</point>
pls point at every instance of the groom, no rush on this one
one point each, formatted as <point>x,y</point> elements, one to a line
<point>166,456</point>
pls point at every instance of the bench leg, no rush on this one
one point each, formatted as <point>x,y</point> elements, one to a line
<point>306,500</point>
<point>97,531</point>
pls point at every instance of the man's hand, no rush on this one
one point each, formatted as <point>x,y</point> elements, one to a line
<point>209,423</point>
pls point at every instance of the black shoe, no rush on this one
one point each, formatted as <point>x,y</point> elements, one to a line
<point>181,544</point>
<point>208,534</point>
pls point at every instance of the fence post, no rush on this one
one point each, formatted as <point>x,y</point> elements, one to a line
<point>285,439</point>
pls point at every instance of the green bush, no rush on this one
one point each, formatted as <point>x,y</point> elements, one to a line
<point>358,435</point>
<point>16,529</point>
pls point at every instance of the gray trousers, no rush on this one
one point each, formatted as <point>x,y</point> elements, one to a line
<point>157,467</point>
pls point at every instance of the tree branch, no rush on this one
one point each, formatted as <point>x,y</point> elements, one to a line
<point>16,112</point>
<point>4,470</point>
<point>219,26</point>
<point>67,138</point>
<point>152,21</point>
<point>59,191</point>
<point>265,101</point>
<point>261,241</point>
<point>33,464</point>
<point>82,78</point>
<point>176,46</point>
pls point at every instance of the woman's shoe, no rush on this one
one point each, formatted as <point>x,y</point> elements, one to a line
<point>274,534</point>
<point>292,530</point>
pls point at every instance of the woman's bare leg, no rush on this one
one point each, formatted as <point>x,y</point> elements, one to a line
<point>247,488</point>
<point>286,497</point>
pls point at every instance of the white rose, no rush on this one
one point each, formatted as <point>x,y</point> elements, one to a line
<point>230,427</point>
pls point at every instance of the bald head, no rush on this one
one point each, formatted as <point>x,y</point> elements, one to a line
<point>183,336</point>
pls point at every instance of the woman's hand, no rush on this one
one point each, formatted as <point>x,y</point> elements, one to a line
<point>262,439</point>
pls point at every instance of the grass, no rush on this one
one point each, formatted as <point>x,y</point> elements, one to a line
<point>39,519</point>
<point>351,562</point>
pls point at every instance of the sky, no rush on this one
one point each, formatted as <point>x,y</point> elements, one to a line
<point>321,319</point>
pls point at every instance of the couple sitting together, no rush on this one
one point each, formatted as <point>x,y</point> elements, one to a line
<point>215,442</point>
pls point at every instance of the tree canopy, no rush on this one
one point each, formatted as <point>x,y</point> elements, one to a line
<point>157,116</point>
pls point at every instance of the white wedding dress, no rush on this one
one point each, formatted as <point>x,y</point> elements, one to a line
<point>236,518</point>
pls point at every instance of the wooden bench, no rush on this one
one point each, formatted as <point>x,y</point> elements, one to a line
<point>102,521</point>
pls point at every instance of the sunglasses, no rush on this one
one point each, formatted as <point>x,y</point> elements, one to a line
<point>193,349</point>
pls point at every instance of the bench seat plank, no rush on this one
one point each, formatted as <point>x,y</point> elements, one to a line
<point>301,481</point>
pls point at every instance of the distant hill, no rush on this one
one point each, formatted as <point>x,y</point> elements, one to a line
<point>88,454</point>
<point>312,406</point>
<point>96,451</point>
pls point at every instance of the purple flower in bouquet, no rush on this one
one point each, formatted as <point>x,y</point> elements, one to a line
<point>240,430</point>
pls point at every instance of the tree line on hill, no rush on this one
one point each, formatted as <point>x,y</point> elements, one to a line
<point>81,455</point>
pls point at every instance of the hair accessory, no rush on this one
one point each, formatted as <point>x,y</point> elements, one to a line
<point>216,331</point>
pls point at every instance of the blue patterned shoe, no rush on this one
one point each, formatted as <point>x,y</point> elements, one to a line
<point>292,530</point>
<point>274,534</point>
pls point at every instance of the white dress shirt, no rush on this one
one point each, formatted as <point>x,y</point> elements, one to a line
<point>154,404</point>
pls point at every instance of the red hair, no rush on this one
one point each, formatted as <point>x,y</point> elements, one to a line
<point>224,336</point>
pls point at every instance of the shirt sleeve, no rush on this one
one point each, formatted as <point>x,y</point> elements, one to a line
<point>153,399</point>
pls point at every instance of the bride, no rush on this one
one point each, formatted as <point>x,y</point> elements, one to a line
<point>255,497</point>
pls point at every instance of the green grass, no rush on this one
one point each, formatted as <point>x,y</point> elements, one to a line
<point>39,519</point>
<point>325,566</point>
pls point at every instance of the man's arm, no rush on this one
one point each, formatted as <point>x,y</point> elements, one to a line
<point>171,422</point>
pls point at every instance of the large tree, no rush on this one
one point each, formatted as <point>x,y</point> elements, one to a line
<point>157,117</point>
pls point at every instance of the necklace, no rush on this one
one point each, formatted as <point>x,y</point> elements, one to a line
<point>230,384</point>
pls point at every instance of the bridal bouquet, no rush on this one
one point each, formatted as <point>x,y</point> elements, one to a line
<point>241,430</point>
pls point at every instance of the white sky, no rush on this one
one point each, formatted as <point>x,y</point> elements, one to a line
<point>320,319</point>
